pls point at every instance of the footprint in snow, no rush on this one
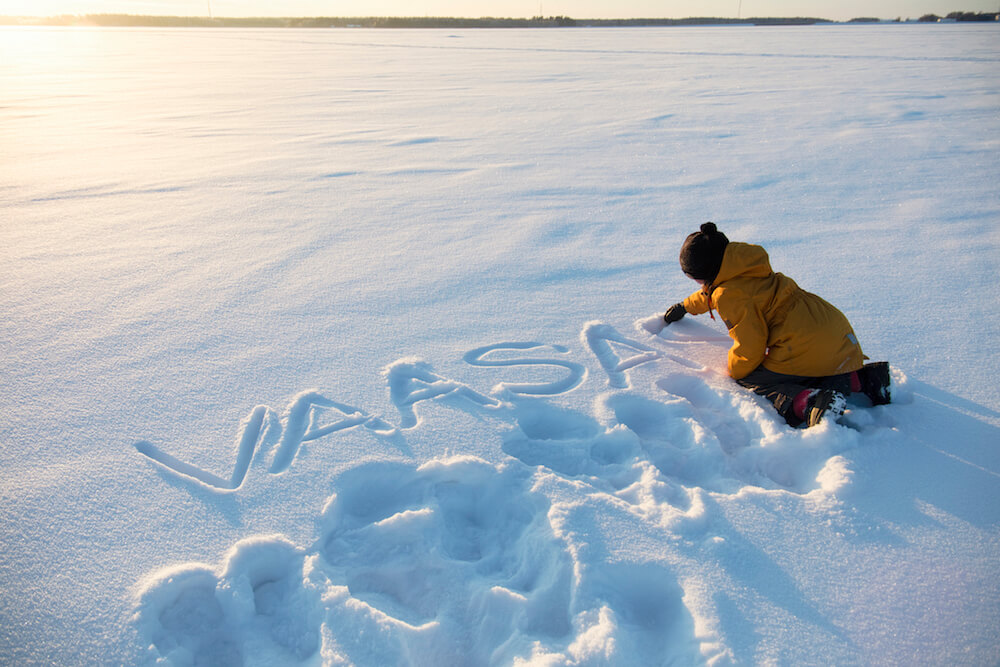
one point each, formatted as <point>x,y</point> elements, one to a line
<point>568,442</point>
<point>190,626</point>
<point>255,605</point>
<point>448,543</point>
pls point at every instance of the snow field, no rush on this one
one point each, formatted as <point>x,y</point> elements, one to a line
<point>320,347</point>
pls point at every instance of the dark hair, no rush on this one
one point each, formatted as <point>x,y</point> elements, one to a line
<point>702,252</point>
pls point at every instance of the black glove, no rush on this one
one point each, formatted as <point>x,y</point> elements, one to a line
<point>674,313</point>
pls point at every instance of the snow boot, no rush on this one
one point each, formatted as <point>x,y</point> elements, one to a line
<point>875,382</point>
<point>812,405</point>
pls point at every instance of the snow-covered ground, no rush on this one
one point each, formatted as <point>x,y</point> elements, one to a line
<point>341,347</point>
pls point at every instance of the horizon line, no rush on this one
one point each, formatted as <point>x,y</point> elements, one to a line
<point>395,21</point>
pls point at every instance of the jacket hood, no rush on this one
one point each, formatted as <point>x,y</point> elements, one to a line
<point>743,260</point>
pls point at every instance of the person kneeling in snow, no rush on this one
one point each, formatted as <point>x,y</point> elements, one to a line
<point>789,345</point>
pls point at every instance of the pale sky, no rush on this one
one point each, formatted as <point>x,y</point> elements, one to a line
<point>828,9</point>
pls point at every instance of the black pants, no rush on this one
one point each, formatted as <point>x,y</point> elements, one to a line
<point>782,389</point>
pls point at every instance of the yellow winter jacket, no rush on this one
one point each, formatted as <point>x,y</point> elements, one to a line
<point>773,321</point>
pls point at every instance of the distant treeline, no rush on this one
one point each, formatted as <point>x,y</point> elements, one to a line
<point>934,18</point>
<point>961,16</point>
<point>121,20</point>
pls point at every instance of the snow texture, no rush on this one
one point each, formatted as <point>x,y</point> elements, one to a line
<point>344,347</point>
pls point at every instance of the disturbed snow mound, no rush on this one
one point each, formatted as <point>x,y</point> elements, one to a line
<point>461,561</point>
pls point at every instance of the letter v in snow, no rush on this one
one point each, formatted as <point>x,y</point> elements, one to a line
<point>255,426</point>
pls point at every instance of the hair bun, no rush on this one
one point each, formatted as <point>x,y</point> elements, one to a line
<point>702,253</point>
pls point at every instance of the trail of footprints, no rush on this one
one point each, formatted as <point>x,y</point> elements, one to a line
<point>463,562</point>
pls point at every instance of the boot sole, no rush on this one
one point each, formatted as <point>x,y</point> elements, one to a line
<point>876,382</point>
